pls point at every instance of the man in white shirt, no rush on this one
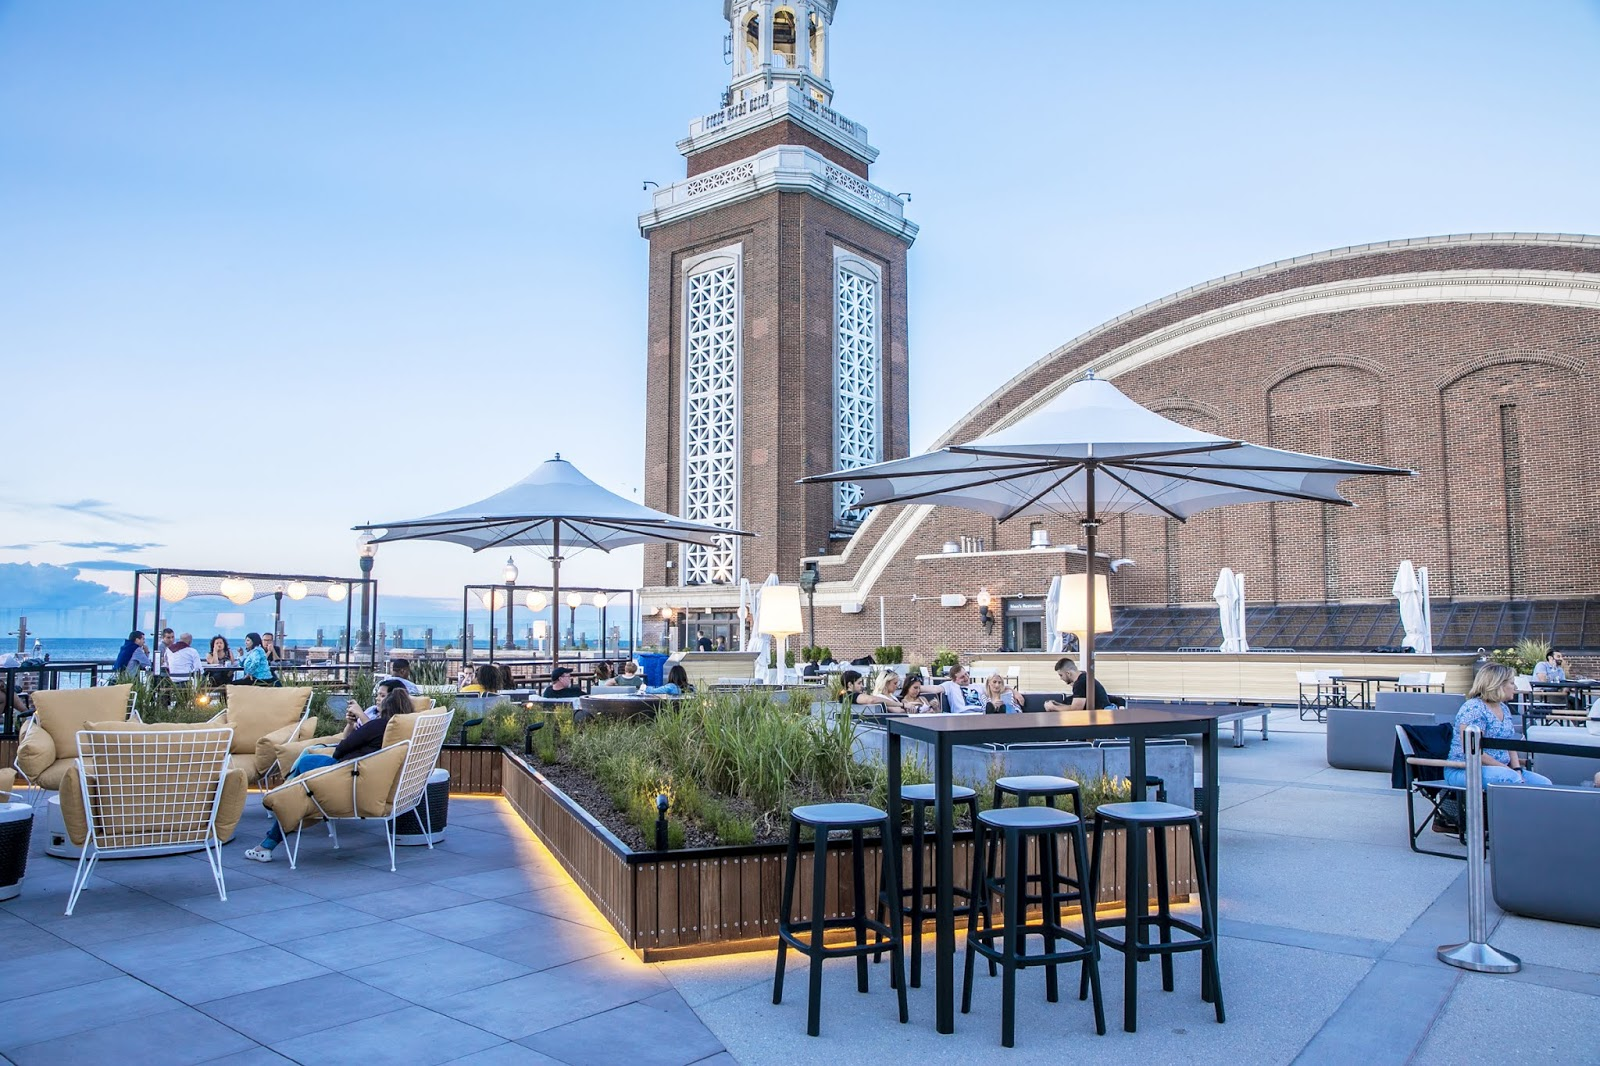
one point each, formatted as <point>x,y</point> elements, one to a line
<point>960,694</point>
<point>400,670</point>
<point>182,660</point>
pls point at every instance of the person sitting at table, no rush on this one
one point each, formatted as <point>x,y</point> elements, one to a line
<point>1553,671</point>
<point>1485,708</point>
<point>400,670</point>
<point>1076,696</point>
<point>999,697</point>
<point>132,655</point>
<point>630,677</point>
<point>183,661</point>
<point>960,694</point>
<point>269,644</point>
<point>486,679</point>
<point>888,685</point>
<point>221,654</point>
<point>562,685</point>
<point>677,683</point>
<point>853,692</point>
<point>363,735</point>
<point>912,698</point>
<point>602,673</point>
<point>253,666</point>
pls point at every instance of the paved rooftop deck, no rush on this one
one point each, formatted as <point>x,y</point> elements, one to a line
<point>482,951</point>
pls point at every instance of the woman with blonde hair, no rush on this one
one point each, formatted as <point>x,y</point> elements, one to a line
<point>888,686</point>
<point>1486,708</point>
<point>999,697</point>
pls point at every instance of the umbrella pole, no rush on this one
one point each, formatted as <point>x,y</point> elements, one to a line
<point>555,597</point>
<point>1091,525</point>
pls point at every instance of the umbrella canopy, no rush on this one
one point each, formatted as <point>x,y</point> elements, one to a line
<point>1056,640</point>
<point>554,507</point>
<point>1411,589</point>
<point>1229,594</point>
<point>1092,452</point>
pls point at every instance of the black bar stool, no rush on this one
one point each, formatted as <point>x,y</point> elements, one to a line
<point>1014,826</point>
<point>823,819</point>
<point>1047,787</point>
<point>919,909</point>
<point>1137,818</point>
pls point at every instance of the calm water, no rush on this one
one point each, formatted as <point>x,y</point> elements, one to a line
<point>97,649</point>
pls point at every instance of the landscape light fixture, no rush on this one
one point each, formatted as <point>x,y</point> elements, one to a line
<point>985,615</point>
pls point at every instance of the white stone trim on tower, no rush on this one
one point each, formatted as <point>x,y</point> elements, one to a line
<point>857,374</point>
<point>712,354</point>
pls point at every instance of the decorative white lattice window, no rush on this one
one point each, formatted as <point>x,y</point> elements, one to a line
<point>857,432</point>
<point>713,310</point>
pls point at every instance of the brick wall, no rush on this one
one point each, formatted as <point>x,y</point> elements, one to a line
<point>759,140</point>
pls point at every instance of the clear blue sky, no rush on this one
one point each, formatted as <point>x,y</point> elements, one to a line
<point>269,270</point>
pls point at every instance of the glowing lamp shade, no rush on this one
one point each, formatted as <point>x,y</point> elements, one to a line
<point>666,612</point>
<point>537,601</point>
<point>985,599</point>
<point>574,600</point>
<point>174,589</point>
<point>780,610</point>
<point>296,590</point>
<point>337,593</point>
<point>494,599</point>
<point>1073,614</point>
<point>225,586</point>
<point>242,592</point>
<point>599,601</point>
<point>540,629</point>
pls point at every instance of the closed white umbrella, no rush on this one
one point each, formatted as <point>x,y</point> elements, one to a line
<point>1226,593</point>
<point>1052,607</point>
<point>760,643</point>
<point>1244,638</point>
<point>1092,452</point>
<point>1409,590</point>
<point>744,609</point>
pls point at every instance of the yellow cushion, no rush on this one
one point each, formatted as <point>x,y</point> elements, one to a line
<point>400,727</point>
<point>37,753</point>
<point>150,822</point>
<point>51,777</point>
<point>268,747</point>
<point>8,781</point>
<point>256,710</point>
<point>62,712</point>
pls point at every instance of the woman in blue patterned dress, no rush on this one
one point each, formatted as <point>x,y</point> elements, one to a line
<point>1486,709</point>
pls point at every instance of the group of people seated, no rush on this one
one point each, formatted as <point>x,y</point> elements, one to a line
<point>563,683</point>
<point>958,694</point>
<point>177,659</point>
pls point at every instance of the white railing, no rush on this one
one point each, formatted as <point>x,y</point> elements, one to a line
<point>776,99</point>
<point>789,166</point>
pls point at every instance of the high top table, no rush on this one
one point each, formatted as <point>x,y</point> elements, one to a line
<point>944,731</point>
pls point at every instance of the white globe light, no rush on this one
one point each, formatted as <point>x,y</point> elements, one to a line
<point>174,589</point>
<point>494,599</point>
<point>337,593</point>
<point>225,587</point>
<point>243,592</point>
<point>296,590</point>
<point>574,599</point>
<point>600,600</point>
<point>537,601</point>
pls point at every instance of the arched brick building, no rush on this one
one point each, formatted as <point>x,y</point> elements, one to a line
<point>1471,359</point>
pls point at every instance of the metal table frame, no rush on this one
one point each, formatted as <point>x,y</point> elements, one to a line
<point>944,731</point>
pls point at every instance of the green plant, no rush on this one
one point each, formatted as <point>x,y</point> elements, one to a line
<point>944,659</point>
<point>1523,656</point>
<point>788,658</point>
<point>888,655</point>
<point>363,684</point>
<point>430,673</point>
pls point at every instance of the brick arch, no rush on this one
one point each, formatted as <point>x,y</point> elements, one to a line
<point>1517,434</point>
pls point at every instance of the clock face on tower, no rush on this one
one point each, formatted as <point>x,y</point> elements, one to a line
<point>777,313</point>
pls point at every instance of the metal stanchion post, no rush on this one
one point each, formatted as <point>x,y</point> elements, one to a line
<point>1476,954</point>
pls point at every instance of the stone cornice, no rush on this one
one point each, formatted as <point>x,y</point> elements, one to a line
<point>784,168</point>
<point>780,103</point>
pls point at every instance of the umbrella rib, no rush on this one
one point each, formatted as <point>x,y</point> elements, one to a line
<point>1001,453</point>
<point>1264,490</point>
<point>1056,484</point>
<point>1036,466</point>
<point>517,533</point>
<point>909,497</point>
<point>1119,479</point>
<point>1337,468</point>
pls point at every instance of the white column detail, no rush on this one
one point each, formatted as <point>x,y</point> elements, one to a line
<point>713,304</point>
<point>857,333</point>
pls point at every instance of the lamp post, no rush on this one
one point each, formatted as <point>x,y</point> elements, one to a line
<point>808,585</point>
<point>369,549</point>
<point>511,584</point>
<point>574,601</point>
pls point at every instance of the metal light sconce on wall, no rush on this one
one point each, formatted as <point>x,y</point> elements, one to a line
<point>985,614</point>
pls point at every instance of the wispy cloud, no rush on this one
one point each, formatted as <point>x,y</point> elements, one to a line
<point>101,509</point>
<point>105,564</point>
<point>115,547</point>
<point>17,547</point>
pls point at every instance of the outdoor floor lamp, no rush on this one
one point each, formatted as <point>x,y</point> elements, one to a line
<point>780,618</point>
<point>1072,616</point>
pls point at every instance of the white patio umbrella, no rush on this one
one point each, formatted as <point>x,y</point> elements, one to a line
<point>1411,589</point>
<point>745,600</point>
<point>1052,605</point>
<point>760,642</point>
<point>1229,594</point>
<point>1092,452</point>
<point>554,507</point>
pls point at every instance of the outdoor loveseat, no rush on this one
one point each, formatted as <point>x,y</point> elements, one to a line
<point>48,745</point>
<point>1362,739</point>
<point>1545,852</point>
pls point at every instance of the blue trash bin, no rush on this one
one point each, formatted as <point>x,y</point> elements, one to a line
<point>654,667</point>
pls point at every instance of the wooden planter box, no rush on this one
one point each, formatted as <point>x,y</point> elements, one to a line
<point>474,769</point>
<point>712,901</point>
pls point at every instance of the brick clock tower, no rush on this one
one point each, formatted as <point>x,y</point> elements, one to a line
<point>777,324</point>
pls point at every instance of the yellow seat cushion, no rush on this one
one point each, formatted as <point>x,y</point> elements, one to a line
<point>256,710</point>
<point>62,712</point>
<point>269,746</point>
<point>230,808</point>
<point>8,781</point>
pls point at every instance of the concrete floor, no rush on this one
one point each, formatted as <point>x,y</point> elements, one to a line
<point>482,951</point>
